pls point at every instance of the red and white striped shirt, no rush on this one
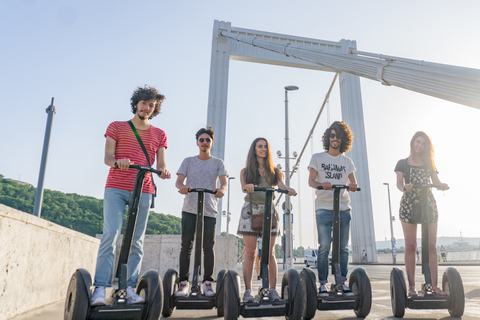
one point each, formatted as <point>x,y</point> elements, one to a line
<point>128,147</point>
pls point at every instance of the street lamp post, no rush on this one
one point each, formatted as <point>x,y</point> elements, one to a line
<point>391,224</point>
<point>288,217</point>
<point>228,203</point>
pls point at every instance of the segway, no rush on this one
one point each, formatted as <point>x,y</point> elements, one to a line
<point>196,299</point>
<point>360,299</point>
<point>452,283</point>
<point>291,304</point>
<point>77,302</point>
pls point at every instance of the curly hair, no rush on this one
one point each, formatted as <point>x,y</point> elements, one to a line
<point>428,154</point>
<point>343,132</point>
<point>147,93</point>
<point>273,174</point>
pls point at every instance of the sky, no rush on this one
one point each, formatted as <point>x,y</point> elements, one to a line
<point>91,55</point>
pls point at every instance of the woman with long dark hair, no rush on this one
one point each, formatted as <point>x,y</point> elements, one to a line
<point>418,168</point>
<point>258,172</point>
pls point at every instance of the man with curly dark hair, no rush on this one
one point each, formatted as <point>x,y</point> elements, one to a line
<point>326,169</point>
<point>121,150</point>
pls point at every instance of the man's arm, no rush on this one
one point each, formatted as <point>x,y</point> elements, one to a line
<point>161,165</point>
<point>182,188</point>
<point>109,159</point>
<point>312,182</point>
<point>352,182</point>
<point>220,192</point>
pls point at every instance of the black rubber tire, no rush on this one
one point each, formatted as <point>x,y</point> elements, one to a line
<point>151,289</point>
<point>452,284</point>
<point>219,295</point>
<point>294,297</point>
<point>170,286</point>
<point>311,302</point>
<point>398,293</point>
<point>77,301</point>
<point>359,283</point>
<point>231,299</point>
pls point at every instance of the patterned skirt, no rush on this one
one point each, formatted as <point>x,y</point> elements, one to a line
<point>245,225</point>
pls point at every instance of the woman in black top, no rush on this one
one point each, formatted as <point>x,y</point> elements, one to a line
<point>418,168</point>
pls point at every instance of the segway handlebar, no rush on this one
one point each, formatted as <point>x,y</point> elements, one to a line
<point>135,166</point>
<point>427,185</point>
<point>202,190</point>
<point>270,189</point>
<point>337,186</point>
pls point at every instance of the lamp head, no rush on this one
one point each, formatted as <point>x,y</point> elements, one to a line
<point>279,153</point>
<point>291,88</point>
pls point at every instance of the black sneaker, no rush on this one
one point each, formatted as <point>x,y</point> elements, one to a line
<point>322,291</point>
<point>346,290</point>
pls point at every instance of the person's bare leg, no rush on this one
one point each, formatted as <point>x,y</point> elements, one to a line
<point>247,268</point>
<point>410,235</point>
<point>272,264</point>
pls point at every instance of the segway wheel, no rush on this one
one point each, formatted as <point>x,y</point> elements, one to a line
<point>150,288</point>
<point>77,301</point>
<point>307,277</point>
<point>452,284</point>
<point>398,293</point>
<point>231,297</point>
<point>220,293</point>
<point>170,286</point>
<point>293,292</point>
<point>360,285</point>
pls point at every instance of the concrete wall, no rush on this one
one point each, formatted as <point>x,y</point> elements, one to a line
<point>163,252</point>
<point>37,259</point>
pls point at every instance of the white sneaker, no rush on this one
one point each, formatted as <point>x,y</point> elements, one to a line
<point>98,297</point>
<point>133,297</point>
<point>207,289</point>
<point>182,289</point>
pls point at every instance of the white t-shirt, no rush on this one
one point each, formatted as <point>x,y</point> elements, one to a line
<point>334,170</point>
<point>202,174</point>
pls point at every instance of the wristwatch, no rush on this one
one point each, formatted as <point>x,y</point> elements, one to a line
<point>115,165</point>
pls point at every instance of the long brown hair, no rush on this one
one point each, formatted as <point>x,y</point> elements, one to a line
<point>252,175</point>
<point>428,154</point>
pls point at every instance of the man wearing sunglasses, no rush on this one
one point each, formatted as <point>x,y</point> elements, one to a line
<point>326,169</point>
<point>200,171</point>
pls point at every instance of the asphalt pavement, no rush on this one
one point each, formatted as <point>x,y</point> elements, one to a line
<point>379,275</point>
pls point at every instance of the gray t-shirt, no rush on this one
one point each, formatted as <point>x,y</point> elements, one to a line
<point>202,174</point>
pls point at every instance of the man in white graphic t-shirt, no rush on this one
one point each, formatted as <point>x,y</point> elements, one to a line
<point>326,169</point>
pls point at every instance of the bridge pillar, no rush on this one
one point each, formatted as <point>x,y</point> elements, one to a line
<point>217,96</point>
<point>362,228</point>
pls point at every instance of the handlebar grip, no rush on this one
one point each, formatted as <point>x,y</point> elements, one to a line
<point>338,186</point>
<point>202,190</point>
<point>138,167</point>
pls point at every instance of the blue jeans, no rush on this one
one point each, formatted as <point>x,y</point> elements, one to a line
<point>114,203</point>
<point>324,229</point>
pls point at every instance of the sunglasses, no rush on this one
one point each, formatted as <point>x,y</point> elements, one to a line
<point>207,139</point>
<point>333,136</point>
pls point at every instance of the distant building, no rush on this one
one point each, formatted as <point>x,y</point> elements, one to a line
<point>19,182</point>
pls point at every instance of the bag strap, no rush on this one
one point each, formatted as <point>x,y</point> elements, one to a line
<point>250,201</point>
<point>146,156</point>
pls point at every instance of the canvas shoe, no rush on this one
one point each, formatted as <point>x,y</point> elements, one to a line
<point>207,289</point>
<point>247,296</point>
<point>98,297</point>
<point>133,297</point>
<point>182,289</point>
<point>274,295</point>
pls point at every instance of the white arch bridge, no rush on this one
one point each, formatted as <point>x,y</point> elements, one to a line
<point>452,83</point>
